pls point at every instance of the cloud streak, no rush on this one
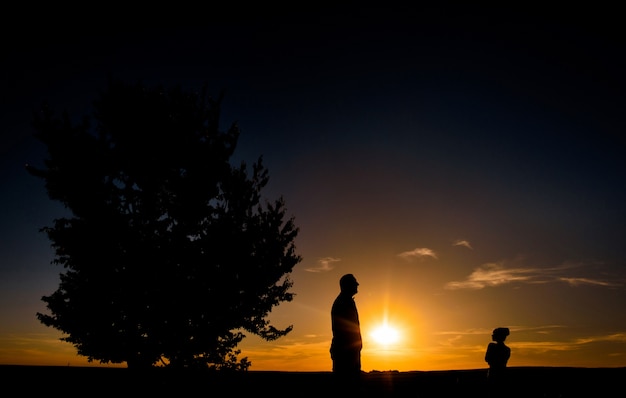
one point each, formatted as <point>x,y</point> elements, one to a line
<point>324,265</point>
<point>418,253</point>
<point>586,281</point>
<point>569,345</point>
<point>463,243</point>
<point>464,340</point>
<point>498,274</point>
<point>513,328</point>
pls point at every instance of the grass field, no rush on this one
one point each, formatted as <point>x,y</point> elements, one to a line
<point>523,382</point>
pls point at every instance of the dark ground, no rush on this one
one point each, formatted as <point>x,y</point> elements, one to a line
<point>523,382</point>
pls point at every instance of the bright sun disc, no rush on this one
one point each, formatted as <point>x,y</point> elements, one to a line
<point>385,335</point>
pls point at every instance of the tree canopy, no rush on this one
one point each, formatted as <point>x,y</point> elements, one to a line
<point>170,252</point>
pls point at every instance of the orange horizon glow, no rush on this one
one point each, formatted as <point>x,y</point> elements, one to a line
<point>313,356</point>
<point>406,325</point>
<point>390,342</point>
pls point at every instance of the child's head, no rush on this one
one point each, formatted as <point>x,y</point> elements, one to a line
<point>499,334</point>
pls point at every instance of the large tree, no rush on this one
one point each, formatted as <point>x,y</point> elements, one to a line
<point>170,252</point>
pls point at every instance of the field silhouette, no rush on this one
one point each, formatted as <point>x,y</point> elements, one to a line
<point>523,382</point>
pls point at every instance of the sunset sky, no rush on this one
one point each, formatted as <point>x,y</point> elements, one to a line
<point>466,165</point>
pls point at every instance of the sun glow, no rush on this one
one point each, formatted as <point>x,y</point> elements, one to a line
<point>385,335</point>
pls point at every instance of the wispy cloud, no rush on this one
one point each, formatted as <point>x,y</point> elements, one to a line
<point>493,274</point>
<point>419,253</point>
<point>464,243</point>
<point>496,274</point>
<point>568,344</point>
<point>453,337</point>
<point>302,354</point>
<point>323,265</point>
<point>39,349</point>
<point>586,281</point>
<point>514,328</point>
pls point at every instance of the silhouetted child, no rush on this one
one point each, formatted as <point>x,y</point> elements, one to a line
<point>497,356</point>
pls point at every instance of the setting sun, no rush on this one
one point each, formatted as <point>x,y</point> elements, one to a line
<point>385,335</point>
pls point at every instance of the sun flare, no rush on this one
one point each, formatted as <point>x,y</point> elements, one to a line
<point>385,335</point>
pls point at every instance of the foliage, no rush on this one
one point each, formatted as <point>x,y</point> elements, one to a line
<point>170,254</point>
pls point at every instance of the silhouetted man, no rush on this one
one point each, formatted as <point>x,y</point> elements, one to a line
<point>345,349</point>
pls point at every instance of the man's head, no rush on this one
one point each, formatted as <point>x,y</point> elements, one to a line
<point>348,284</point>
